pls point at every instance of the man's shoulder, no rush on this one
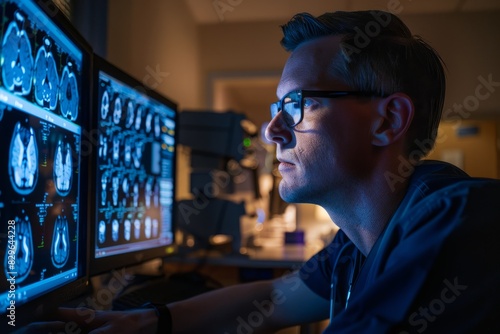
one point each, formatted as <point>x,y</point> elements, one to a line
<point>436,187</point>
<point>436,178</point>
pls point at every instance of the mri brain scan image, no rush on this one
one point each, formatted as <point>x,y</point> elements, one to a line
<point>23,250</point>
<point>137,154</point>
<point>103,147</point>
<point>115,187</point>
<point>46,79</point>
<point>127,228</point>
<point>68,93</point>
<point>157,126</point>
<point>115,228</point>
<point>102,232</point>
<point>104,105</point>
<point>147,228</point>
<point>17,59</point>
<point>138,118</point>
<point>117,111</point>
<point>127,151</point>
<point>104,185</point>
<point>129,120</point>
<point>149,121</point>
<point>116,149</point>
<point>125,189</point>
<point>137,228</point>
<point>135,194</point>
<point>60,242</point>
<point>63,168</point>
<point>23,157</point>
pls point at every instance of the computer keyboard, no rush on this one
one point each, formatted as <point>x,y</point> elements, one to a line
<point>163,290</point>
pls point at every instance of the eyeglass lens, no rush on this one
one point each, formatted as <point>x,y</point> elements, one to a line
<point>291,106</point>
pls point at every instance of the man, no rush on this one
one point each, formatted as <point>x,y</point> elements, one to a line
<point>416,250</point>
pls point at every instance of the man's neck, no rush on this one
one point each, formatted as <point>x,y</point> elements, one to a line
<point>365,211</point>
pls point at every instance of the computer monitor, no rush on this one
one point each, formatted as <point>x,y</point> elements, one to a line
<point>133,171</point>
<point>44,107</point>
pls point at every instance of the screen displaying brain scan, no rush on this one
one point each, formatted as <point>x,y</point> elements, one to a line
<point>40,125</point>
<point>135,159</point>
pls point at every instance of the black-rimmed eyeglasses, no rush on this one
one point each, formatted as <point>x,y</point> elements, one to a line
<point>292,104</point>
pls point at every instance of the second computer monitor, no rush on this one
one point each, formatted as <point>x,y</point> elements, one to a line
<point>134,171</point>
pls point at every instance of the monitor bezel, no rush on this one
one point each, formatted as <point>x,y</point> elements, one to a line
<point>100,265</point>
<point>44,305</point>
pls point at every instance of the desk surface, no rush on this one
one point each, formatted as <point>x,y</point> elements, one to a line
<point>288,256</point>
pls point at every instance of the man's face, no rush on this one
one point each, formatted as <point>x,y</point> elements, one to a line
<point>328,154</point>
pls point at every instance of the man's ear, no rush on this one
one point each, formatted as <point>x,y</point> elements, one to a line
<point>392,119</point>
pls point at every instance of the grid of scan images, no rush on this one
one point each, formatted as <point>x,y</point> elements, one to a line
<point>39,124</point>
<point>135,185</point>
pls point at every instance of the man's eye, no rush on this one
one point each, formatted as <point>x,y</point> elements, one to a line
<point>290,104</point>
<point>308,103</point>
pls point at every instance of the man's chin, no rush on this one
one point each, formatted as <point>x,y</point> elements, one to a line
<point>288,193</point>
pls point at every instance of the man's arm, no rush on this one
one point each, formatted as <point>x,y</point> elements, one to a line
<point>258,307</point>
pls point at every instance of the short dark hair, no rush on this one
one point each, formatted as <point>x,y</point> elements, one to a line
<point>380,55</point>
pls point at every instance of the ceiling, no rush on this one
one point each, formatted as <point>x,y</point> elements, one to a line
<point>224,11</point>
